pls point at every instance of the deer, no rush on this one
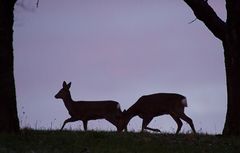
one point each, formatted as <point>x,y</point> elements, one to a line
<point>89,110</point>
<point>149,106</point>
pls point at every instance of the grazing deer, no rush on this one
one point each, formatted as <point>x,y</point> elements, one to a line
<point>89,110</point>
<point>149,106</point>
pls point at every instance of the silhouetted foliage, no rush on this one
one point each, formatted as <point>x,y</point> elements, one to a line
<point>8,111</point>
<point>229,33</point>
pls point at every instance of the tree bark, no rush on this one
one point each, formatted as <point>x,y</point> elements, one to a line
<point>8,110</point>
<point>229,33</point>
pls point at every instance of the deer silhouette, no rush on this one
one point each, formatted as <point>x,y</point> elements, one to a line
<point>89,110</point>
<point>149,106</point>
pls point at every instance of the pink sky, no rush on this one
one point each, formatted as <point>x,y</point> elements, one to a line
<point>120,50</point>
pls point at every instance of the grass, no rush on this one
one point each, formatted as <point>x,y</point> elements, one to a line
<point>44,141</point>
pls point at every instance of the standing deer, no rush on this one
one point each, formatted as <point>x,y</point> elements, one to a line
<point>89,110</point>
<point>149,106</point>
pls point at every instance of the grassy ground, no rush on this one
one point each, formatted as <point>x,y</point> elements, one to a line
<point>30,141</point>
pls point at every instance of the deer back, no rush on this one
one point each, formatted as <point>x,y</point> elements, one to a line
<point>95,109</point>
<point>157,104</point>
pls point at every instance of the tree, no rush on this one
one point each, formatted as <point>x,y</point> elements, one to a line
<point>8,111</point>
<point>229,33</point>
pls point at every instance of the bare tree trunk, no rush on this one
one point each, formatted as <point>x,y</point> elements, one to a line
<point>232,123</point>
<point>8,111</point>
<point>229,33</point>
<point>231,46</point>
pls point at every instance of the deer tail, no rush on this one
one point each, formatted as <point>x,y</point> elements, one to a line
<point>118,106</point>
<point>184,102</point>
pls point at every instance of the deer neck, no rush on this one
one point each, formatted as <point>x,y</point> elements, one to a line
<point>130,114</point>
<point>132,111</point>
<point>68,102</point>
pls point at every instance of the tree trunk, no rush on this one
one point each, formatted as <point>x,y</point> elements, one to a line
<point>229,33</point>
<point>232,122</point>
<point>8,111</point>
<point>231,46</point>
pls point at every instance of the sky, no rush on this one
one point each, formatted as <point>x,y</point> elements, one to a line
<point>118,50</point>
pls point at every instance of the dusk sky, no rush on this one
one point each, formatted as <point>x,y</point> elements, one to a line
<point>118,50</point>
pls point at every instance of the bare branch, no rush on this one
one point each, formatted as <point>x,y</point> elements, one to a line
<point>204,12</point>
<point>192,21</point>
<point>25,5</point>
<point>37,4</point>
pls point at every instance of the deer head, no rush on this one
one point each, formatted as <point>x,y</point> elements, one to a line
<point>64,92</point>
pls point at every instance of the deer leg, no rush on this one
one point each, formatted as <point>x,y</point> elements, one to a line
<point>66,121</point>
<point>188,120</point>
<point>179,123</point>
<point>126,130</point>
<point>145,122</point>
<point>85,122</point>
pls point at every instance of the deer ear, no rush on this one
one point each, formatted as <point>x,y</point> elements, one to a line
<point>64,84</point>
<point>69,85</point>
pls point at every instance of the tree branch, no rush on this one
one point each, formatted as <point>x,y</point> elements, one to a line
<point>204,12</point>
<point>37,4</point>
